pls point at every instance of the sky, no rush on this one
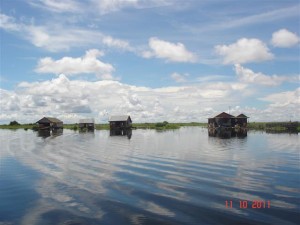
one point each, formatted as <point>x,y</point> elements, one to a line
<point>155,60</point>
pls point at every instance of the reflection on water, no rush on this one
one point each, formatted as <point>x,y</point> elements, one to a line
<point>44,133</point>
<point>227,132</point>
<point>121,132</point>
<point>86,130</point>
<point>173,177</point>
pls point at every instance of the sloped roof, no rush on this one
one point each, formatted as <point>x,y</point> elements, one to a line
<point>90,120</point>
<point>49,120</point>
<point>119,118</point>
<point>224,115</point>
<point>242,116</point>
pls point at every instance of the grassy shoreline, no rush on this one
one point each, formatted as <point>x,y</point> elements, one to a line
<point>262,126</point>
<point>275,126</point>
<point>157,126</point>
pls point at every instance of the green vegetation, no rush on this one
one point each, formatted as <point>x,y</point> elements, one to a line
<point>165,125</point>
<point>263,126</point>
<point>256,126</point>
<point>71,126</point>
<point>158,126</point>
<point>14,127</point>
<point>14,123</point>
<point>276,127</point>
<point>102,126</point>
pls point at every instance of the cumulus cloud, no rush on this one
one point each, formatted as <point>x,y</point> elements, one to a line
<point>179,78</point>
<point>248,76</point>
<point>244,51</point>
<point>283,106</point>
<point>284,39</point>
<point>89,63</point>
<point>70,99</point>
<point>173,52</point>
<point>283,99</point>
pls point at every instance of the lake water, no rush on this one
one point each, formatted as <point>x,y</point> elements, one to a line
<point>172,177</point>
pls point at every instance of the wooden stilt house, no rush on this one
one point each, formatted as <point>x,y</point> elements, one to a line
<point>49,123</point>
<point>222,120</point>
<point>88,124</point>
<point>241,121</point>
<point>121,122</point>
<point>227,120</point>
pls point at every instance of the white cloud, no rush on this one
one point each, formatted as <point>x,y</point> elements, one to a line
<point>8,23</point>
<point>212,77</point>
<point>244,51</point>
<point>284,39</point>
<point>174,52</point>
<point>283,106</point>
<point>284,99</point>
<point>72,98</point>
<point>113,42</point>
<point>57,5</point>
<point>56,38</point>
<point>106,6</point>
<point>248,76</point>
<point>59,38</point>
<point>179,78</point>
<point>95,6</point>
<point>89,63</point>
<point>109,6</point>
<point>228,22</point>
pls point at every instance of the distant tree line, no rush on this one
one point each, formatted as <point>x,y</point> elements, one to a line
<point>14,123</point>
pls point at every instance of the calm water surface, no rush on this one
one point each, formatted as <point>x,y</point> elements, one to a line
<point>172,177</point>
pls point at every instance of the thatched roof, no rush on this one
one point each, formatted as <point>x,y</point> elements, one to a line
<point>87,120</point>
<point>242,116</point>
<point>49,120</point>
<point>224,115</point>
<point>119,118</point>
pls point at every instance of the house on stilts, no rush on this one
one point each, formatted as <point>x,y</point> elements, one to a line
<point>226,125</point>
<point>49,123</point>
<point>120,125</point>
<point>86,124</point>
<point>120,122</point>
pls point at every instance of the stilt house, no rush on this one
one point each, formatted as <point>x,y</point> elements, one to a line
<point>223,119</point>
<point>49,122</point>
<point>241,120</point>
<point>87,124</point>
<point>121,122</point>
<point>227,120</point>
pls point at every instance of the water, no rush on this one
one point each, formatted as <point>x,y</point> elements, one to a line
<point>173,177</point>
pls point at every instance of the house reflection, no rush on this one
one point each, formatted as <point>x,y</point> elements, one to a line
<point>241,133</point>
<point>44,133</point>
<point>226,133</point>
<point>126,132</point>
<point>86,130</point>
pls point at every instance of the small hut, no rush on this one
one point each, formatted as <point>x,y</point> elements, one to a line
<point>241,120</point>
<point>121,122</point>
<point>88,124</point>
<point>223,120</point>
<point>49,123</point>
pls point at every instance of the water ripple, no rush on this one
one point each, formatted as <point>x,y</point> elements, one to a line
<point>173,177</point>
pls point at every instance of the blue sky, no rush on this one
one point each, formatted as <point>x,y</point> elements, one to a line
<point>155,60</point>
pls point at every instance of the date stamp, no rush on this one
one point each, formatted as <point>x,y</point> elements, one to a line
<point>245,204</point>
